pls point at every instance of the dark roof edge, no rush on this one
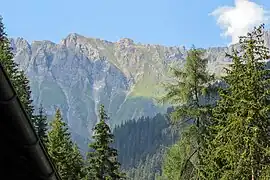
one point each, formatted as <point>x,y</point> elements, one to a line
<point>29,137</point>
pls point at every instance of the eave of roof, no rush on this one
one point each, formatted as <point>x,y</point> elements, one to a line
<point>11,107</point>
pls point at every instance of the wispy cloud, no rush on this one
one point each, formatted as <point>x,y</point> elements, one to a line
<point>238,20</point>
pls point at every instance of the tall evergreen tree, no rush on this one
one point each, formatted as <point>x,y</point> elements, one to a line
<point>191,96</point>
<point>17,77</point>
<point>239,147</point>
<point>41,123</point>
<point>102,159</point>
<point>62,151</point>
<point>6,54</point>
<point>24,92</point>
<point>77,163</point>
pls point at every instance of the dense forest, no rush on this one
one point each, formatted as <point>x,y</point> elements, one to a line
<point>141,145</point>
<point>212,131</point>
<point>134,140</point>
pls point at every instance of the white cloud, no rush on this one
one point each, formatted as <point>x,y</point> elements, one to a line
<point>238,20</point>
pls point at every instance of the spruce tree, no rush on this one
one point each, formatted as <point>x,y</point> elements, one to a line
<point>41,124</point>
<point>77,163</point>
<point>239,143</point>
<point>24,92</point>
<point>102,158</point>
<point>62,151</point>
<point>191,95</point>
<point>16,76</point>
<point>6,54</point>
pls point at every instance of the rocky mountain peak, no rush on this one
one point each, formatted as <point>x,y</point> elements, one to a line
<point>72,38</point>
<point>125,42</point>
<point>19,43</point>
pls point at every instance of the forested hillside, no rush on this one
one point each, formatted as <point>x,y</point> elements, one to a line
<point>141,145</point>
<point>134,140</point>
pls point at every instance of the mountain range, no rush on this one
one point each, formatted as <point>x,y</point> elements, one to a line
<point>79,73</point>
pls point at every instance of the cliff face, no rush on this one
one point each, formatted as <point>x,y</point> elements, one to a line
<point>79,73</point>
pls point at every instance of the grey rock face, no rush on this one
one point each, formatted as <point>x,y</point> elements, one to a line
<point>79,73</point>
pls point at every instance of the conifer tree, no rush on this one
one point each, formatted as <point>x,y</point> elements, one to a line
<point>239,143</point>
<point>24,92</point>
<point>41,123</point>
<point>62,151</point>
<point>17,77</point>
<point>191,96</point>
<point>102,158</point>
<point>77,163</point>
<point>6,54</point>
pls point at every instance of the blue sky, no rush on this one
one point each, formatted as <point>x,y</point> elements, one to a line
<point>166,22</point>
